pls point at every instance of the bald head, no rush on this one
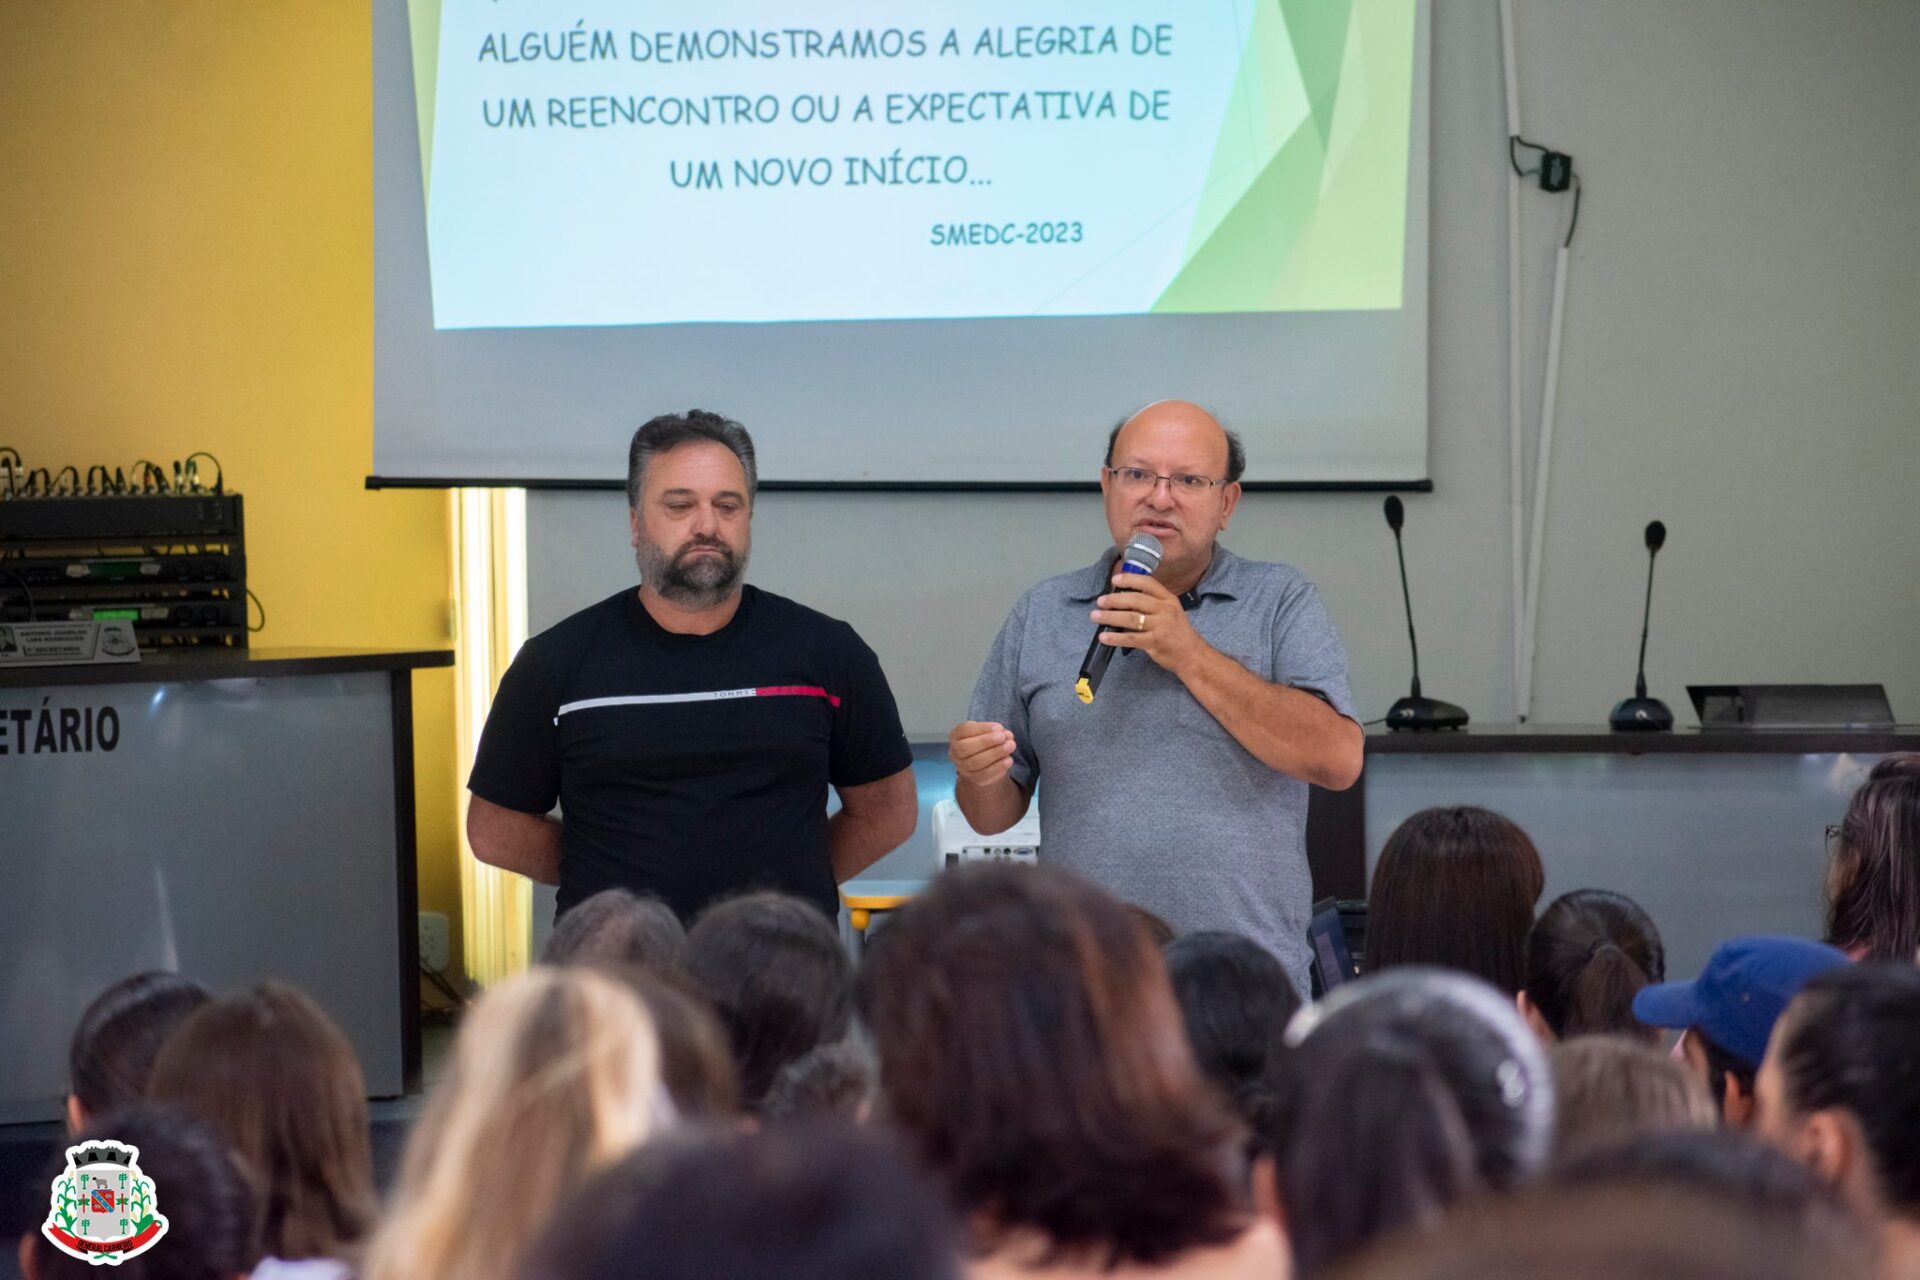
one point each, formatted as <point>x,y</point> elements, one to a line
<point>1187,426</point>
<point>1138,486</point>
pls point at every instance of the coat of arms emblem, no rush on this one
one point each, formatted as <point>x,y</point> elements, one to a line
<point>103,1209</point>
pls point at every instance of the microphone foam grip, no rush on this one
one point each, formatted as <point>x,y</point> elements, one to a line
<point>1656,535</point>
<point>1396,512</point>
<point>1144,550</point>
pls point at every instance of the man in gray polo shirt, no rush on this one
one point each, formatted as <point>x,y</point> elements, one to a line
<point>1183,785</point>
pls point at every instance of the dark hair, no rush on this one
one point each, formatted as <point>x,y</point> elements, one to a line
<point>120,1034</point>
<point>1587,955</point>
<point>1723,1063</point>
<point>1874,899</point>
<point>1728,1166</point>
<point>779,978</point>
<point>805,1202</point>
<point>1851,1042</point>
<point>1235,1000</point>
<point>1895,764</point>
<point>616,926</point>
<point>669,431</point>
<point>1625,1231</point>
<point>1031,1051</point>
<point>1455,887</point>
<point>269,1070</point>
<point>696,1063</point>
<point>1236,451</point>
<point>213,1229</point>
<point>1400,1096</point>
<point>1610,1089</point>
<point>834,1082</point>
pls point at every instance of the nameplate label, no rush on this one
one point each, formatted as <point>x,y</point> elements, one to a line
<point>66,644</point>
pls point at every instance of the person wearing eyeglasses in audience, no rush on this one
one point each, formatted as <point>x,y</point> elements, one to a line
<point>1182,785</point>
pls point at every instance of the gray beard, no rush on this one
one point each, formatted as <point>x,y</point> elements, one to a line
<point>701,582</point>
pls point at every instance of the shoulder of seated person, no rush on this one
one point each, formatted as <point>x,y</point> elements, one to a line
<point>1258,1253</point>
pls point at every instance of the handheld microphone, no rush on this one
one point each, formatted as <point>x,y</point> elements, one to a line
<point>1641,713</point>
<point>1141,555</point>
<point>1415,711</point>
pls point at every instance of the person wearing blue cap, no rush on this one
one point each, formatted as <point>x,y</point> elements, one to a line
<point>1728,1012</point>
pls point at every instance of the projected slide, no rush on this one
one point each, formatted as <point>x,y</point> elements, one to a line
<point>693,161</point>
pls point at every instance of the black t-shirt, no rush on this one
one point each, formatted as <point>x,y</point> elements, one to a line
<point>690,767</point>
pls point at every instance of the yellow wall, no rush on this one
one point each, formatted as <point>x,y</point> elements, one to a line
<point>186,259</point>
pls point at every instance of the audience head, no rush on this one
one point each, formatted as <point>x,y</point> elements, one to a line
<point>834,1082</point>
<point>1234,999</point>
<point>616,927</point>
<point>795,1203</point>
<point>213,1226</point>
<point>1840,1087</point>
<point>1456,888</point>
<point>1031,1051</point>
<point>1397,1097</point>
<point>779,978</point>
<point>1587,955</point>
<point>1736,1170</point>
<point>270,1070</point>
<point>696,1064</point>
<point>1873,873</point>
<point>1609,1089</point>
<point>1728,1012</point>
<point>1627,1231</point>
<point>118,1037</point>
<point>554,1075</point>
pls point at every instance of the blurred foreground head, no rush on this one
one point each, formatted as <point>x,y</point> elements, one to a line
<point>1396,1098</point>
<point>1031,1052</point>
<point>803,1202</point>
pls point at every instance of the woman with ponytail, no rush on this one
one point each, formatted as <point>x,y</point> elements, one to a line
<point>1587,956</point>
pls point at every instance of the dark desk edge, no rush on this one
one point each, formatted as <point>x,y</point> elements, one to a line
<point>227,664</point>
<point>1532,739</point>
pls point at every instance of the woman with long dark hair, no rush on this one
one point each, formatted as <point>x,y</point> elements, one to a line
<point>1455,887</point>
<point>1873,866</point>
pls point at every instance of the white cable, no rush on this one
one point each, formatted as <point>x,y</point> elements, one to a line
<point>1516,496</point>
<point>1543,455</point>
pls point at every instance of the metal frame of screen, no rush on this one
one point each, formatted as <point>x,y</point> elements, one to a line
<point>834,380</point>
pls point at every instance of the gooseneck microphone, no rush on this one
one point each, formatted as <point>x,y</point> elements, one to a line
<point>1415,711</point>
<point>1140,555</point>
<point>1641,713</point>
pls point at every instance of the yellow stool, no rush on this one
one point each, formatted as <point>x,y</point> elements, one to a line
<point>864,897</point>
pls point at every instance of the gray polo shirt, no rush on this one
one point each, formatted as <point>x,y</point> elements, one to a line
<point>1143,790</point>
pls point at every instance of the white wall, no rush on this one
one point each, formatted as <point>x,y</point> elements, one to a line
<point>1742,361</point>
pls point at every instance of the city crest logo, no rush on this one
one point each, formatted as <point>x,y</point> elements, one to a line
<point>103,1208</point>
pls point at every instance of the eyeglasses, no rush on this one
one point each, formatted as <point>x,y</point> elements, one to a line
<point>1180,482</point>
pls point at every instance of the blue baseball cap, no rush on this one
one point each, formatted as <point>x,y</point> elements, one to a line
<point>1741,992</point>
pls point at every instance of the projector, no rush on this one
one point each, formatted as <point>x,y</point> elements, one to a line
<point>958,843</point>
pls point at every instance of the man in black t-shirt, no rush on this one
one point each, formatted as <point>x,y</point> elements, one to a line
<point>689,730</point>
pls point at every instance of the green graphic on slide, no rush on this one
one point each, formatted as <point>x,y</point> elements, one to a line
<point>423,21</point>
<point>1310,217</point>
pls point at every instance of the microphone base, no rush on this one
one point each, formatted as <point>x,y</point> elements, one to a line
<point>1641,715</point>
<point>1422,714</point>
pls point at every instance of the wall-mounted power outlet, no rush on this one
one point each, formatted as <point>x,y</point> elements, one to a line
<point>436,941</point>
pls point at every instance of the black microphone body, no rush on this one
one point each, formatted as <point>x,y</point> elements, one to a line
<point>1141,555</point>
<point>1415,711</point>
<point>1641,714</point>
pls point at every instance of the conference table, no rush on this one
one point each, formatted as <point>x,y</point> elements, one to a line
<point>1714,832</point>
